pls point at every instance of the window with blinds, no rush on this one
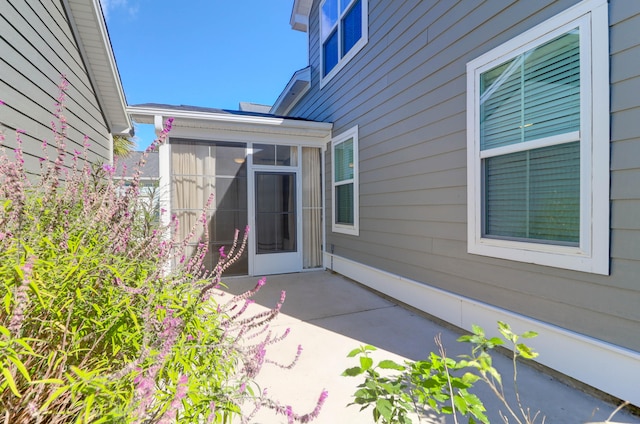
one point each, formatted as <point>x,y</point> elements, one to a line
<point>344,149</point>
<point>343,178</point>
<point>533,193</point>
<point>538,144</point>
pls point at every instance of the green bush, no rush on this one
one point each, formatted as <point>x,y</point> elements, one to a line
<point>439,383</point>
<point>103,318</point>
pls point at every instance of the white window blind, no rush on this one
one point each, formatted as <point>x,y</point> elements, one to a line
<point>538,144</point>
<point>344,182</point>
<point>533,193</point>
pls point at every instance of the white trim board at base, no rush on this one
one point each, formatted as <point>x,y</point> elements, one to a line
<point>606,367</point>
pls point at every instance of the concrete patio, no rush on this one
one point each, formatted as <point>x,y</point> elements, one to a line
<point>329,315</point>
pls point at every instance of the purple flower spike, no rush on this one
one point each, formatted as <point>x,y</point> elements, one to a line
<point>289,412</point>
<point>108,168</point>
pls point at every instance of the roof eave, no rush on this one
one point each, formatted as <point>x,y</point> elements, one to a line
<point>198,119</point>
<point>300,15</point>
<point>88,24</point>
<point>297,87</point>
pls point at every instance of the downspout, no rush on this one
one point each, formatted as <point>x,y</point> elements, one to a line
<point>111,149</point>
<point>164,175</point>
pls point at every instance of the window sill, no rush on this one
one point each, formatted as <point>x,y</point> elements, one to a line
<point>566,257</point>
<point>343,229</point>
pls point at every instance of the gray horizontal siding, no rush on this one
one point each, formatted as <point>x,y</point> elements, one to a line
<point>406,90</point>
<point>38,46</point>
<point>625,149</point>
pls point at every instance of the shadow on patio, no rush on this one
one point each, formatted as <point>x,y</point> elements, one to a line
<point>329,315</point>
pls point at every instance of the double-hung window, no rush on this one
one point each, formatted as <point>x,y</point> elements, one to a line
<point>538,144</point>
<point>344,171</point>
<point>343,32</point>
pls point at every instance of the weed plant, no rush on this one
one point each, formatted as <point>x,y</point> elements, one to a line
<point>395,391</point>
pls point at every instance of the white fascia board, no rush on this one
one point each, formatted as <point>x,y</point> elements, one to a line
<point>267,121</point>
<point>235,123</point>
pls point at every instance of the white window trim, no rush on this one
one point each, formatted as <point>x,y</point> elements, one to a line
<point>592,255</point>
<point>354,229</point>
<point>324,80</point>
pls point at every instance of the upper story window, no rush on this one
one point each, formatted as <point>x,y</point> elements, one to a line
<point>538,144</point>
<point>343,32</point>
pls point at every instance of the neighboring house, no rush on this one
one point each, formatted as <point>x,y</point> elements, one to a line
<point>475,160</point>
<point>40,41</point>
<point>149,179</point>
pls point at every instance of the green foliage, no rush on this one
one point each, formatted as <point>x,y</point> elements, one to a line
<point>395,391</point>
<point>122,146</point>
<point>90,320</point>
<point>385,394</point>
<point>94,324</point>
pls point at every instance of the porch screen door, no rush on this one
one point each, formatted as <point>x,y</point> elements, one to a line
<point>277,248</point>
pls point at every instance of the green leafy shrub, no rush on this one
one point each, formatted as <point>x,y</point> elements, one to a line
<point>442,384</point>
<point>103,317</point>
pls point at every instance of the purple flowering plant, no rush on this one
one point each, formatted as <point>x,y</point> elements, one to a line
<point>101,319</point>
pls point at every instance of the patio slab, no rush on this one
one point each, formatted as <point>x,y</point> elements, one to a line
<point>329,315</point>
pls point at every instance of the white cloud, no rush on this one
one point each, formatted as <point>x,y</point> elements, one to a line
<point>110,5</point>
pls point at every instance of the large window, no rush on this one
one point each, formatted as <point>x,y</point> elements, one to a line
<point>538,144</point>
<point>343,32</point>
<point>199,169</point>
<point>344,171</point>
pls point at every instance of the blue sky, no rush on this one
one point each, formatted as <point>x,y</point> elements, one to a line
<point>211,53</point>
